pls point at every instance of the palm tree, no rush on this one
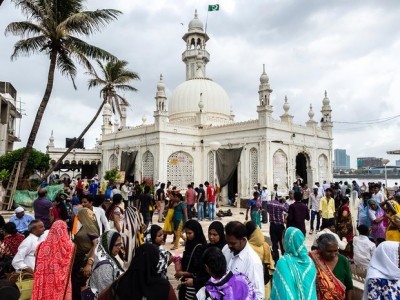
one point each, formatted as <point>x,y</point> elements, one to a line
<point>115,78</point>
<point>52,28</point>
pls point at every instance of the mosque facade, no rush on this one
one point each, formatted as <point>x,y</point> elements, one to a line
<point>195,137</point>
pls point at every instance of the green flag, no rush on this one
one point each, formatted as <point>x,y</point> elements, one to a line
<point>214,7</point>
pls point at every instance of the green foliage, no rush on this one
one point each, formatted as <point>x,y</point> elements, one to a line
<point>4,174</point>
<point>37,160</point>
<point>112,175</point>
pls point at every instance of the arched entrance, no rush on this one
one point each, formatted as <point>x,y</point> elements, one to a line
<point>302,166</point>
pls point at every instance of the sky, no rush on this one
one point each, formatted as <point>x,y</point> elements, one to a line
<point>349,48</point>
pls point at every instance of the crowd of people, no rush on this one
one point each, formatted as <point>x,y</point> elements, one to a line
<point>82,247</point>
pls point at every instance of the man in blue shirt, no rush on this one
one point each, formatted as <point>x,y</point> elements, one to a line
<point>21,220</point>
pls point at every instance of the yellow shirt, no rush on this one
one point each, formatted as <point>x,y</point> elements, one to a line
<point>327,208</point>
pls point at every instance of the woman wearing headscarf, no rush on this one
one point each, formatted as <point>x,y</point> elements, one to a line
<point>375,217</point>
<point>334,280</point>
<point>86,242</point>
<point>216,235</point>
<point>256,240</point>
<point>106,268</point>
<point>141,280</point>
<point>383,276</point>
<point>216,238</point>
<point>155,235</point>
<point>191,259</point>
<point>344,227</point>
<point>393,215</point>
<point>54,256</point>
<point>295,273</point>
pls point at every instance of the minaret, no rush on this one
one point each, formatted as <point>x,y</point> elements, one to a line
<point>50,145</point>
<point>161,114</point>
<point>264,109</point>
<point>326,121</point>
<point>123,115</point>
<point>264,89</point>
<point>161,98</point>
<point>106,127</point>
<point>195,56</point>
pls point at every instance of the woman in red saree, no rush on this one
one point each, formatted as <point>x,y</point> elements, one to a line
<point>334,280</point>
<point>54,257</point>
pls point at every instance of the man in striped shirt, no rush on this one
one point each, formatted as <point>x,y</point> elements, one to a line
<point>276,209</point>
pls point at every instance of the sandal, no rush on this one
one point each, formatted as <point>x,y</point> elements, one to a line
<point>174,248</point>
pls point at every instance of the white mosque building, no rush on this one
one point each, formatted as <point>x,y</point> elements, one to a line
<point>195,138</point>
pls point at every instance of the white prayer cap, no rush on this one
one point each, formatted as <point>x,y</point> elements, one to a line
<point>19,210</point>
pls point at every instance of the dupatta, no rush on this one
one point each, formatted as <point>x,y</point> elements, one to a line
<point>328,286</point>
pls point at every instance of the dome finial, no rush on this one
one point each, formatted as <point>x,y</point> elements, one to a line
<point>195,13</point>
<point>264,77</point>
<point>161,77</point>
<point>311,113</point>
<point>286,105</point>
<point>325,101</point>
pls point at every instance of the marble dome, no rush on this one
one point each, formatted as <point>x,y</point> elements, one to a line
<point>185,100</point>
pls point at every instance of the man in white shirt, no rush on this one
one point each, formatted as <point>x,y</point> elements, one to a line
<point>378,196</point>
<point>25,257</point>
<point>363,248</point>
<point>326,185</point>
<point>290,200</point>
<point>264,200</point>
<point>125,192</point>
<point>315,198</point>
<point>241,258</point>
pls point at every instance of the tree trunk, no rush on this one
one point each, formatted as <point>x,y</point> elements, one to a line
<point>39,114</point>
<point>59,161</point>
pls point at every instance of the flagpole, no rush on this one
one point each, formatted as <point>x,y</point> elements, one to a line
<point>205,31</point>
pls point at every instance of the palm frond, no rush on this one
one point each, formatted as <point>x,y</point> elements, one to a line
<point>122,100</point>
<point>88,22</point>
<point>28,46</point>
<point>125,87</point>
<point>23,29</point>
<point>67,67</point>
<point>32,9</point>
<point>77,45</point>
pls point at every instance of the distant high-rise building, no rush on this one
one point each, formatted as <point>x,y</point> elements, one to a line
<point>369,162</point>
<point>398,162</point>
<point>342,160</point>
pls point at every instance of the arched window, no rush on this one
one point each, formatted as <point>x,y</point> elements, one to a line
<point>323,168</point>
<point>180,169</point>
<point>211,165</point>
<point>113,162</point>
<point>148,168</point>
<point>253,166</point>
<point>280,172</point>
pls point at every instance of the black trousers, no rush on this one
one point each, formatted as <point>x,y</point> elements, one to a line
<point>264,214</point>
<point>276,233</point>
